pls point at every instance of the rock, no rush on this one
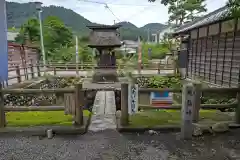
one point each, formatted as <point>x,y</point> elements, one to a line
<point>152,132</point>
<point>118,114</point>
<point>197,131</point>
<point>220,127</point>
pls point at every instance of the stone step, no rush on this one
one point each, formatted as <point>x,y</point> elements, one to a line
<point>104,110</point>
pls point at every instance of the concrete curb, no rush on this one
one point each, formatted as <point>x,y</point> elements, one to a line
<point>165,129</point>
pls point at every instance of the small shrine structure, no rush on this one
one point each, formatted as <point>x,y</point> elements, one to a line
<point>105,38</point>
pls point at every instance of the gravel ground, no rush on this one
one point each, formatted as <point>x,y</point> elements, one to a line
<point>111,145</point>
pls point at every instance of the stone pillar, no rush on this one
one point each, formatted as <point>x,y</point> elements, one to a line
<point>3,43</point>
<point>187,111</point>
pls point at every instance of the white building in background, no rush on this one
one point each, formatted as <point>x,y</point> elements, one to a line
<point>158,37</point>
<point>129,46</point>
<point>11,36</point>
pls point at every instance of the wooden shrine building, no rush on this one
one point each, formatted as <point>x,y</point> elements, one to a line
<point>211,52</point>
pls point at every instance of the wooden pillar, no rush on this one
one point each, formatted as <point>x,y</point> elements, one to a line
<point>19,77</point>
<point>31,68</point>
<point>159,64</point>
<point>187,110</point>
<point>124,104</point>
<point>79,97</point>
<point>38,69</point>
<point>54,71</point>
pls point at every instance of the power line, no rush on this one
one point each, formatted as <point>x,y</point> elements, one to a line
<point>117,4</point>
<point>106,6</point>
<point>143,10</point>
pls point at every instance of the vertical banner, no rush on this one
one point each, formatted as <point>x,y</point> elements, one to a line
<point>132,98</point>
<point>3,43</point>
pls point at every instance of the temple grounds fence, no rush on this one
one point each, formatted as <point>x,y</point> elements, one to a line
<point>33,70</point>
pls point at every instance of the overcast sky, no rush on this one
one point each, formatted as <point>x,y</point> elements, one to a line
<point>138,12</point>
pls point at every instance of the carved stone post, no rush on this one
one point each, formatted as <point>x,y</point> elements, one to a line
<point>187,110</point>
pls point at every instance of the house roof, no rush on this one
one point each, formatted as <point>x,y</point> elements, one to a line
<point>212,17</point>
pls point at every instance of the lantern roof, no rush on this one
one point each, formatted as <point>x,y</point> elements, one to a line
<point>104,36</point>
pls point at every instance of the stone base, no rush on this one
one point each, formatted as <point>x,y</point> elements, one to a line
<point>105,75</point>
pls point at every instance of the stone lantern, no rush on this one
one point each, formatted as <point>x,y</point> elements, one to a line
<point>105,38</point>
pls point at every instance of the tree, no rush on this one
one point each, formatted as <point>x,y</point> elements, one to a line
<point>29,32</point>
<point>56,34</point>
<point>234,6</point>
<point>182,11</point>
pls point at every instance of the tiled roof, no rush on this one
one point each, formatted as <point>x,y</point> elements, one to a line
<point>207,19</point>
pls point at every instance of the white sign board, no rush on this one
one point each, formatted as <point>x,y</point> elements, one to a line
<point>187,110</point>
<point>132,98</point>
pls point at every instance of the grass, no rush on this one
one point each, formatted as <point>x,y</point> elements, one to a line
<point>155,118</point>
<point>27,119</point>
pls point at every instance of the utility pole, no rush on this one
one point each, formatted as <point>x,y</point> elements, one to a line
<point>39,9</point>
<point>148,35</point>
<point>77,57</point>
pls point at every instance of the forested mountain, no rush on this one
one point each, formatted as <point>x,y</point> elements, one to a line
<point>18,13</point>
<point>153,27</point>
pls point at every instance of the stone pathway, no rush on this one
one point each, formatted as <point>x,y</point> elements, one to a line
<point>104,110</point>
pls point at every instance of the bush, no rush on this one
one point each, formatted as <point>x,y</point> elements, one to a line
<point>159,82</point>
<point>164,82</point>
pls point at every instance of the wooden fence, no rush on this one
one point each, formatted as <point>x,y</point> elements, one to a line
<point>33,69</point>
<point>191,102</point>
<point>195,106</point>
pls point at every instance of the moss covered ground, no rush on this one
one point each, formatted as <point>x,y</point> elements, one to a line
<point>26,119</point>
<point>153,118</point>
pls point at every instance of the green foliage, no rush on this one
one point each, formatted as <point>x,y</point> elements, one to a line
<point>18,13</point>
<point>57,37</point>
<point>215,98</point>
<point>182,11</point>
<point>158,51</point>
<point>164,82</point>
<point>234,6</point>
<point>56,34</point>
<point>154,118</point>
<point>29,32</point>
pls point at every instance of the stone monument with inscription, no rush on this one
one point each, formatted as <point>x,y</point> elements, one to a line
<point>187,111</point>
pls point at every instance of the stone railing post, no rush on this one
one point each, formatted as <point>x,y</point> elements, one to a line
<point>196,101</point>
